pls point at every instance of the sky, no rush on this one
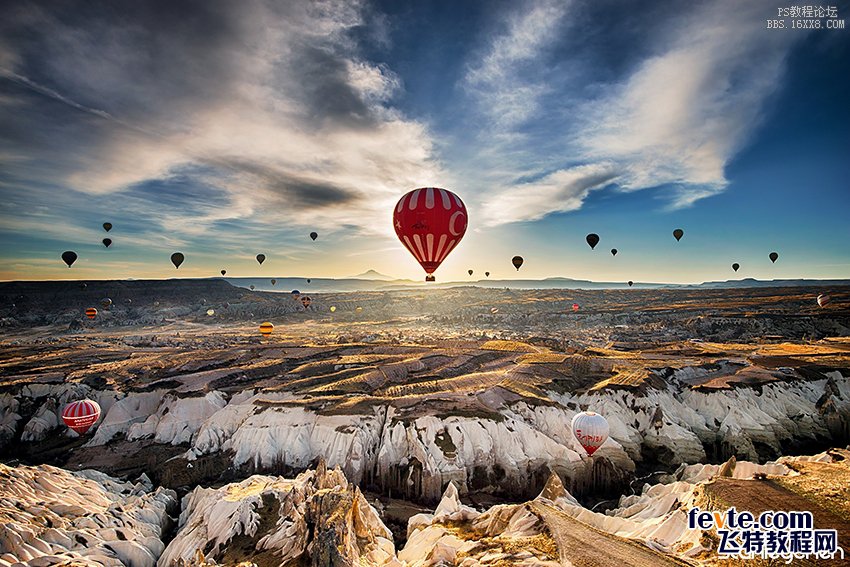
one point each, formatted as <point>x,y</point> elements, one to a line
<point>225,129</point>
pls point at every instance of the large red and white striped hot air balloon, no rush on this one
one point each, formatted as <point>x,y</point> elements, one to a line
<point>823,300</point>
<point>430,222</point>
<point>591,430</point>
<point>81,415</point>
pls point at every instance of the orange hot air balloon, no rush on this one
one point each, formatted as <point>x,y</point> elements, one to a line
<point>81,415</point>
<point>430,222</point>
<point>91,312</point>
<point>266,329</point>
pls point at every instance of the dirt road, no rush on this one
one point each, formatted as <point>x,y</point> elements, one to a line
<point>583,546</point>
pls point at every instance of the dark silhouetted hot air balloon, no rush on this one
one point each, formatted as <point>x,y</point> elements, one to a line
<point>470,272</point>
<point>517,262</point>
<point>107,226</point>
<point>252,287</point>
<point>430,222</point>
<point>306,301</point>
<point>91,312</point>
<point>274,282</point>
<point>295,294</point>
<point>309,280</point>
<point>128,301</point>
<point>823,300</point>
<point>177,259</point>
<point>223,272</point>
<point>266,329</point>
<point>107,242</point>
<point>591,430</point>
<point>575,307</point>
<point>106,303</point>
<point>261,258</point>
<point>735,266</point>
<point>81,415</point>
<point>773,257</point>
<point>613,251</point>
<point>592,240</point>
<point>631,283</point>
<point>314,235</point>
<point>83,285</point>
<point>69,257</point>
<point>487,274</point>
<point>678,234</point>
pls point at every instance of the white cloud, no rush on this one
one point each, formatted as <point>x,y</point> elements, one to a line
<point>561,191</point>
<point>506,95</point>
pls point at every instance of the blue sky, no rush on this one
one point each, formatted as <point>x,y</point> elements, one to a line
<point>225,129</point>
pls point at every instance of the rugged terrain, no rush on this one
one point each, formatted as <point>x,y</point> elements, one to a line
<point>420,398</point>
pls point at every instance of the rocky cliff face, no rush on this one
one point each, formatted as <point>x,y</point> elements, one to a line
<point>51,516</point>
<point>317,519</point>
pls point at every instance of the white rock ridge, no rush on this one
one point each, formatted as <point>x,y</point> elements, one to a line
<point>50,516</point>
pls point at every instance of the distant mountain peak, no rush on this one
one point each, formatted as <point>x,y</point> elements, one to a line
<point>372,275</point>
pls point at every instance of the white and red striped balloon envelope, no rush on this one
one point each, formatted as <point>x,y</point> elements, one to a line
<point>81,415</point>
<point>823,300</point>
<point>591,430</point>
<point>430,222</point>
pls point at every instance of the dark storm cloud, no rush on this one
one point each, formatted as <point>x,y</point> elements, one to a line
<point>283,187</point>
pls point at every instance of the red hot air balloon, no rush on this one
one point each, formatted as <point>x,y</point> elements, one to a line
<point>575,307</point>
<point>591,430</point>
<point>430,222</point>
<point>81,415</point>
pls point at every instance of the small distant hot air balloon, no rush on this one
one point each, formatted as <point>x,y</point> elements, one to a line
<point>613,251</point>
<point>735,266</point>
<point>773,257</point>
<point>305,301</point>
<point>107,226</point>
<point>823,300</point>
<point>106,302</point>
<point>517,262</point>
<point>261,258</point>
<point>592,240</point>
<point>295,294</point>
<point>128,301</point>
<point>91,312</point>
<point>309,280</point>
<point>470,272</point>
<point>591,430</point>
<point>333,308</point>
<point>81,415</point>
<point>430,222</point>
<point>678,234</point>
<point>274,281</point>
<point>177,259</point>
<point>107,242</point>
<point>83,285</point>
<point>223,272</point>
<point>266,329</point>
<point>314,235</point>
<point>631,283</point>
<point>252,287</point>
<point>494,310</point>
<point>69,257</point>
<point>358,309</point>
<point>210,312</point>
<point>575,307</point>
<point>487,274</point>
